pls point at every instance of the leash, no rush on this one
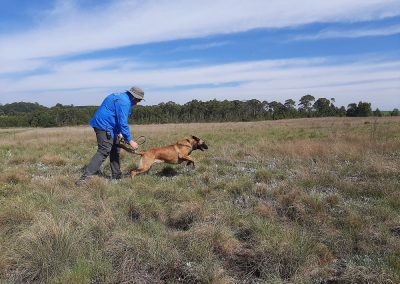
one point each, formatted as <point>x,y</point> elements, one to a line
<point>139,140</point>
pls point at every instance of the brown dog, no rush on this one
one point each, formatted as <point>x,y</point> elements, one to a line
<point>172,154</point>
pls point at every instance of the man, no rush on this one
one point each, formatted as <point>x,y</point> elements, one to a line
<point>109,121</point>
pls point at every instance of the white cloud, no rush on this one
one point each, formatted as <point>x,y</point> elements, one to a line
<point>20,65</point>
<point>67,30</point>
<point>352,33</point>
<point>79,83</point>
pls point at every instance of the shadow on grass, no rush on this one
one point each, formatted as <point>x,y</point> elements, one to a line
<point>167,171</point>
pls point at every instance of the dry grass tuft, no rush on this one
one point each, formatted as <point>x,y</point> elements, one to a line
<point>145,259</point>
<point>53,160</point>
<point>265,210</point>
<point>45,250</point>
<point>15,215</point>
<point>14,177</point>
<point>225,244</point>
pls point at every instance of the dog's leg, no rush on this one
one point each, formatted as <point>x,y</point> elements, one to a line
<point>139,171</point>
<point>189,160</point>
<point>144,166</point>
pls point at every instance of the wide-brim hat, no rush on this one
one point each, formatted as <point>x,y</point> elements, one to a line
<point>136,92</point>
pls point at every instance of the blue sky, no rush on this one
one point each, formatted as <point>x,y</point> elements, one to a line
<point>76,52</point>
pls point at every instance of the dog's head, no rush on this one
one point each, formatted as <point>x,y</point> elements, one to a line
<point>199,144</point>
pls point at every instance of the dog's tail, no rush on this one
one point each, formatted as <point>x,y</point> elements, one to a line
<point>129,149</point>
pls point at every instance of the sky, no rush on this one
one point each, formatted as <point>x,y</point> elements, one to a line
<point>78,52</point>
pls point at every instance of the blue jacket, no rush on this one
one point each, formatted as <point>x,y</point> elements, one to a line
<point>113,115</point>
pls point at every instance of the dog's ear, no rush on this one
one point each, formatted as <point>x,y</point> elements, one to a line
<point>195,138</point>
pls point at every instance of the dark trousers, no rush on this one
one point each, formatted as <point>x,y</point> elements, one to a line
<point>106,146</point>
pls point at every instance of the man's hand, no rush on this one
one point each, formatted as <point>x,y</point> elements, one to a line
<point>133,144</point>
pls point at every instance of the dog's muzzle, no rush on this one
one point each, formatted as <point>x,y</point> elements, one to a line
<point>202,146</point>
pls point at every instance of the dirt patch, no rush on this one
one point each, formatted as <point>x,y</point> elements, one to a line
<point>182,223</point>
<point>134,213</point>
<point>395,231</point>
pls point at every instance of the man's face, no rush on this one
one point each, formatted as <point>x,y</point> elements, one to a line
<point>137,100</point>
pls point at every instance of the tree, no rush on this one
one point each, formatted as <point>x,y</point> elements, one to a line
<point>341,111</point>
<point>266,113</point>
<point>277,109</point>
<point>305,103</point>
<point>377,112</point>
<point>33,114</point>
<point>322,107</point>
<point>352,110</point>
<point>290,104</point>
<point>256,109</point>
<point>395,112</point>
<point>364,109</point>
<point>290,107</point>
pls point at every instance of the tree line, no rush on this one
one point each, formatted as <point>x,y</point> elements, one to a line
<point>23,114</point>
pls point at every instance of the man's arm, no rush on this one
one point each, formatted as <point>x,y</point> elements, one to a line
<point>122,111</point>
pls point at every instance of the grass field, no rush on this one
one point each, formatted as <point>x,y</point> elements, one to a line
<point>290,201</point>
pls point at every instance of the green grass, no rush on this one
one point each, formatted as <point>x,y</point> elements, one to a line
<point>291,201</point>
